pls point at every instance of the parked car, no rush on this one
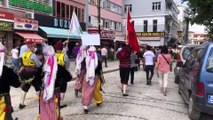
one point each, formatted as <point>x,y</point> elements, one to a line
<point>184,52</point>
<point>196,81</point>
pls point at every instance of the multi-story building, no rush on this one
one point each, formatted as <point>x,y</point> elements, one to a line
<point>200,38</point>
<point>155,21</point>
<point>23,23</point>
<point>110,20</point>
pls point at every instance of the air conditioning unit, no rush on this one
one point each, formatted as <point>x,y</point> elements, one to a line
<point>30,15</point>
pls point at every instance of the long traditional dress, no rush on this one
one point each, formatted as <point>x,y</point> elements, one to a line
<point>49,104</point>
<point>92,81</point>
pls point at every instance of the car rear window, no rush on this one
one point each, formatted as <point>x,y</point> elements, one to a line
<point>186,52</point>
<point>209,64</point>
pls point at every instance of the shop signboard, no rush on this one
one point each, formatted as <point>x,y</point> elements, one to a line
<point>28,4</point>
<point>49,21</point>
<point>105,34</point>
<point>25,24</point>
<point>6,26</point>
<point>150,34</point>
<point>6,16</point>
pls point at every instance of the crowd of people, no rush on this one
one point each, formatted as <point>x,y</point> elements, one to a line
<point>47,70</point>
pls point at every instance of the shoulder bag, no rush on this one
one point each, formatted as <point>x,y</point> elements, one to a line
<point>170,65</point>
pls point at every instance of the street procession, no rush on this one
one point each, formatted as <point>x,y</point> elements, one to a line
<point>106,59</point>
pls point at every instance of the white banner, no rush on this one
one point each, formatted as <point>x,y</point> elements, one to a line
<point>93,39</point>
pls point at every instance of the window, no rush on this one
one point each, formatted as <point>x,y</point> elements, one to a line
<point>128,7</point>
<point>67,11</point>
<point>145,25</point>
<point>156,6</point>
<point>155,25</point>
<point>71,11</point>
<point>58,14</point>
<point>63,10</point>
<point>209,63</point>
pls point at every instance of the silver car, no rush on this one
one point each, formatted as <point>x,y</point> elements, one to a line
<point>184,52</point>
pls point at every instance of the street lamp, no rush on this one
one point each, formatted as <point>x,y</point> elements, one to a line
<point>99,16</point>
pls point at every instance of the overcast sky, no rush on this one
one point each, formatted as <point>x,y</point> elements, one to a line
<point>195,28</point>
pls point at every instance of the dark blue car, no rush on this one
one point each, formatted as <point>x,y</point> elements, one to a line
<point>196,81</point>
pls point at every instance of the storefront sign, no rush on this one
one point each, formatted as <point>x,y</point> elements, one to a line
<point>105,34</point>
<point>27,4</point>
<point>55,22</point>
<point>150,34</point>
<point>6,26</point>
<point>6,16</point>
<point>25,24</point>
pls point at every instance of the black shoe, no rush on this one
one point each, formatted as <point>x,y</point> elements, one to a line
<point>64,105</point>
<point>86,111</point>
<point>132,83</point>
<point>124,94</point>
<point>21,106</point>
<point>99,104</point>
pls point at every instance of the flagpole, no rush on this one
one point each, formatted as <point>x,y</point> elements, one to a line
<point>68,37</point>
<point>126,25</point>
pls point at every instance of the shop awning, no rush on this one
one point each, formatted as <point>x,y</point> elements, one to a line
<point>31,37</point>
<point>58,33</point>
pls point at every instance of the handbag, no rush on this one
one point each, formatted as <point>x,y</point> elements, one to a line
<point>170,65</point>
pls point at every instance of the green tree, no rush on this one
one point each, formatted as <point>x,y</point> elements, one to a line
<point>201,12</point>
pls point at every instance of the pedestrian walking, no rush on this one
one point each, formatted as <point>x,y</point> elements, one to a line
<point>92,81</point>
<point>30,72</point>
<point>133,65</point>
<point>76,49</point>
<point>49,103</point>
<point>124,67</point>
<point>163,68</point>
<point>62,60</point>
<point>80,69</point>
<point>104,54</point>
<point>7,78</point>
<point>15,58</point>
<point>149,60</point>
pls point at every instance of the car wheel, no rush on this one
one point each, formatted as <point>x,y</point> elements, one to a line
<point>176,79</point>
<point>192,113</point>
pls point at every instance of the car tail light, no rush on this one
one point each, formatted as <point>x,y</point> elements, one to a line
<point>200,89</point>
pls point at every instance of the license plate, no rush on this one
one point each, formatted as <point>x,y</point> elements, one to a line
<point>210,99</point>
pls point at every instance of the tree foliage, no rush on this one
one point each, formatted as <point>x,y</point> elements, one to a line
<point>201,12</point>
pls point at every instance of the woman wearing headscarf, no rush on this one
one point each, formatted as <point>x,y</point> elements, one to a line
<point>92,80</point>
<point>7,78</point>
<point>54,74</point>
<point>163,68</point>
<point>80,69</point>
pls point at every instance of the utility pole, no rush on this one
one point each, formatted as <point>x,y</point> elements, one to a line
<point>99,17</point>
<point>86,14</point>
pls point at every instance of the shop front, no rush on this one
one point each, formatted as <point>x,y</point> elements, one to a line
<point>26,30</point>
<point>107,37</point>
<point>153,39</point>
<point>6,28</point>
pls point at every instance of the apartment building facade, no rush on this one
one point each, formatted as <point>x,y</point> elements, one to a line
<point>110,20</point>
<point>155,21</point>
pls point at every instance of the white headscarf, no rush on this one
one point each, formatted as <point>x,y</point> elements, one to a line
<point>50,69</point>
<point>91,64</point>
<point>80,57</point>
<point>2,57</point>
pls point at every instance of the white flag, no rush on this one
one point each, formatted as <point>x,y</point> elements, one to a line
<point>75,28</point>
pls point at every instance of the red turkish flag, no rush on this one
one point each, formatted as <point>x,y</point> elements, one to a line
<point>132,38</point>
